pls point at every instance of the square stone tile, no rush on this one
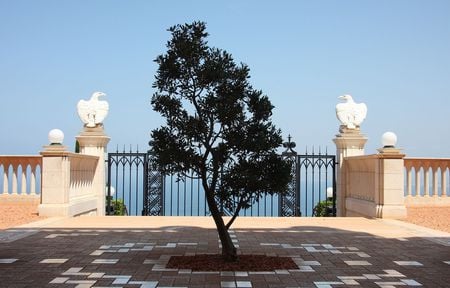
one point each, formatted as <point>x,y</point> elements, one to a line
<point>53,261</point>
<point>105,261</point>
<point>228,284</point>
<point>8,260</point>
<point>408,263</point>
<point>411,282</point>
<point>59,280</point>
<point>243,284</point>
<point>357,263</point>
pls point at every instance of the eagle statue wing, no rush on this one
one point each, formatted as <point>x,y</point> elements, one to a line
<point>93,111</point>
<point>101,110</point>
<point>360,112</point>
<point>85,112</point>
<point>351,114</point>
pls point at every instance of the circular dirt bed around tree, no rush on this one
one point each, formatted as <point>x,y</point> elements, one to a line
<point>213,262</point>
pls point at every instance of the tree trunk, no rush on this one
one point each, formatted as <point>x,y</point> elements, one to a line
<point>229,252</point>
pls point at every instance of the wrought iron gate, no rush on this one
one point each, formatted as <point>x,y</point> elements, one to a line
<point>140,190</point>
<point>132,185</point>
<point>314,176</point>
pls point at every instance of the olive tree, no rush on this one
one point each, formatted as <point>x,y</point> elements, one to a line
<point>217,126</point>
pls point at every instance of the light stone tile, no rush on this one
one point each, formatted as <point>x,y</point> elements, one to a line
<point>357,263</point>
<point>311,263</point>
<point>352,277</point>
<point>363,255</point>
<point>391,273</point>
<point>54,261</point>
<point>96,253</point>
<point>8,260</point>
<point>411,282</point>
<point>87,282</point>
<point>105,261</point>
<point>282,272</point>
<point>371,276</point>
<point>243,284</point>
<point>227,284</point>
<point>261,273</point>
<point>389,284</point>
<point>75,271</point>
<point>145,284</point>
<point>59,280</point>
<point>408,263</point>
<point>350,282</point>
<point>326,284</point>
<point>184,271</point>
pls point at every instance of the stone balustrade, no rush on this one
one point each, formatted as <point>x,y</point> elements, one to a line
<point>82,172</point>
<point>21,179</point>
<point>68,183</point>
<point>374,185</point>
<point>427,182</point>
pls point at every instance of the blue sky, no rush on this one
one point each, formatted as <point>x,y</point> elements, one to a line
<point>392,55</point>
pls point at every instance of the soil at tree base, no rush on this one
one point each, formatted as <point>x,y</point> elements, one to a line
<point>214,262</point>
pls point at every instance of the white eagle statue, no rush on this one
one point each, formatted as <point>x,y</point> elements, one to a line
<point>349,113</point>
<point>93,111</point>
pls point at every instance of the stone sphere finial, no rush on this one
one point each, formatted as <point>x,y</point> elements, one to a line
<point>55,137</point>
<point>389,140</point>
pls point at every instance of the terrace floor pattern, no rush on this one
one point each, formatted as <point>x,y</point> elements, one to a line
<point>134,252</point>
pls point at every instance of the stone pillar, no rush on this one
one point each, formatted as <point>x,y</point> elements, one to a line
<point>391,197</point>
<point>55,181</point>
<point>94,141</point>
<point>350,142</point>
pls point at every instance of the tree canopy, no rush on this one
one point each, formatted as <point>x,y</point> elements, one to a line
<point>217,125</point>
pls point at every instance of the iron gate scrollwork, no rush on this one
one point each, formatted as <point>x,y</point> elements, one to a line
<point>143,190</point>
<point>312,177</point>
<point>289,203</point>
<point>154,194</point>
<point>132,183</point>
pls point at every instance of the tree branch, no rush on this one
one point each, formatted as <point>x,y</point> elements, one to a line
<point>236,213</point>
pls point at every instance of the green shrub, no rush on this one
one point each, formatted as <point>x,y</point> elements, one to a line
<point>118,207</point>
<point>324,208</point>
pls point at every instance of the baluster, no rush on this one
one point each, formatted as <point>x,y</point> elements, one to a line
<point>408,182</point>
<point>426,182</point>
<point>444,182</point>
<point>5,180</point>
<point>435,181</point>
<point>23,186</point>
<point>417,181</point>
<point>14,180</point>
<point>33,180</point>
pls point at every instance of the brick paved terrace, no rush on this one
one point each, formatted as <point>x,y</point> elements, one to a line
<point>134,251</point>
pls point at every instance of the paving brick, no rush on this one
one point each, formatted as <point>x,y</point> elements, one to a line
<point>129,249</point>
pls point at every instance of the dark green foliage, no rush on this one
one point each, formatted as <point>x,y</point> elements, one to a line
<point>324,208</point>
<point>77,147</point>
<point>118,207</point>
<point>217,125</point>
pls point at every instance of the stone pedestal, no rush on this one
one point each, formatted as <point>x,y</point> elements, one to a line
<point>391,202</point>
<point>55,181</point>
<point>94,141</point>
<point>350,142</point>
